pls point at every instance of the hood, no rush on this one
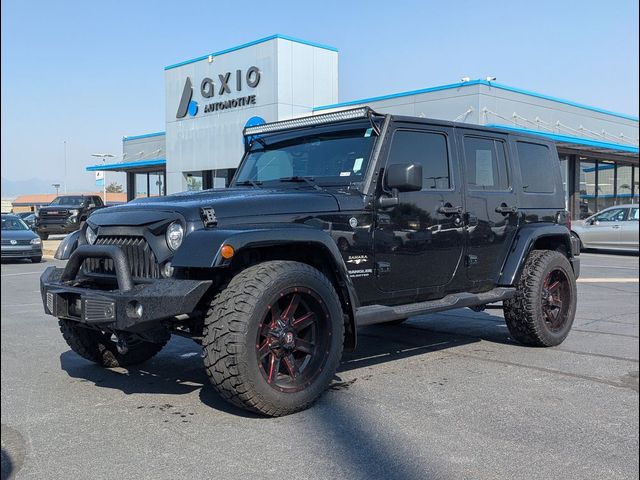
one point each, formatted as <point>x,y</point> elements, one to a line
<point>18,235</point>
<point>227,203</point>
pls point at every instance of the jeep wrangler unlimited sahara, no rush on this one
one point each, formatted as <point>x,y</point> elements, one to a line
<point>433,215</point>
<point>65,214</point>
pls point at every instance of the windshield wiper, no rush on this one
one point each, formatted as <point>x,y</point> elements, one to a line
<point>308,180</point>
<point>253,183</point>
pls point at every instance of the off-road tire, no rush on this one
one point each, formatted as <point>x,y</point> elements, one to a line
<point>96,346</point>
<point>523,312</point>
<point>231,326</point>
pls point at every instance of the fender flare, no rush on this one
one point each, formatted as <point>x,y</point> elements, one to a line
<point>201,249</point>
<point>523,243</point>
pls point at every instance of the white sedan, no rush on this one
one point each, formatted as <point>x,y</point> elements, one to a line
<point>615,228</point>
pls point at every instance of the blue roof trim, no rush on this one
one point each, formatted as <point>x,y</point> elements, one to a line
<point>250,44</point>
<point>401,94</point>
<point>120,165</point>
<point>559,100</point>
<point>477,82</point>
<point>570,139</point>
<point>138,137</point>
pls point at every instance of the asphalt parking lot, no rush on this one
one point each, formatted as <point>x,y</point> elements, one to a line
<point>442,396</point>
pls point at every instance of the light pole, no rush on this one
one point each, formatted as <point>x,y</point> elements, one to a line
<point>104,157</point>
<point>65,167</point>
<point>56,186</point>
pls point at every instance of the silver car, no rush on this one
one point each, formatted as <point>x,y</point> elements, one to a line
<point>614,228</point>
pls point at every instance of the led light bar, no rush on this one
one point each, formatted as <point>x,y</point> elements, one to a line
<point>310,121</point>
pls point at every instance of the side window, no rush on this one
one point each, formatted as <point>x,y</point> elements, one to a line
<point>486,163</point>
<point>536,164</point>
<point>633,215</point>
<point>613,215</point>
<point>97,201</point>
<point>427,149</point>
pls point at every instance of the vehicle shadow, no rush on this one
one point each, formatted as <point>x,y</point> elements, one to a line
<point>178,369</point>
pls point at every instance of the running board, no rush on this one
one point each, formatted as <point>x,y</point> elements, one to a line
<point>372,314</point>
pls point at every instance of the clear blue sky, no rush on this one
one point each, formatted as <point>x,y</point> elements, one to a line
<point>89,72</point>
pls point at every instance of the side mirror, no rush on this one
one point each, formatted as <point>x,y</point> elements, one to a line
<point>404,177</point>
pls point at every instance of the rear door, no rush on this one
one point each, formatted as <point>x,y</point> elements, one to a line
<point>629,231</point>
<point>491,204</point>
<point>418,245</point>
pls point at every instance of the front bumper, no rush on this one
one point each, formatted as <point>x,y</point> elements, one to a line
<point>57,226</point>
<point>31,251</point>
<point>65,294</point>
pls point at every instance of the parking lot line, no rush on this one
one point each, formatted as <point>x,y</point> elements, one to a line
<point>608,280</point>
<point>17,274</point>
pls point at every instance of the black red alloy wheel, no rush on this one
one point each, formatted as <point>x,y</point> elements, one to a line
<point>293,340</point>
<point>556,299</point>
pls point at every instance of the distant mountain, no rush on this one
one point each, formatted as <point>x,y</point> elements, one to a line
<point>13,188</point>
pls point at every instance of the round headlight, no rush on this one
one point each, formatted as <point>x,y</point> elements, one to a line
<point>90,235</point>
<point>175,234</point>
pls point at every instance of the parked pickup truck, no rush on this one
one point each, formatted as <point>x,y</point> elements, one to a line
<point>434,215</point>
<point>65,214</point>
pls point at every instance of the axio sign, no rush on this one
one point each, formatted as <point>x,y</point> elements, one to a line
<point>222,87</point>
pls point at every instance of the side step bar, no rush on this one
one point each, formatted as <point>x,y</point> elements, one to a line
<point>372,314</point>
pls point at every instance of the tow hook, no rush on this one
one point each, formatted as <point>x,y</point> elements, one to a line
<point>121,344</point>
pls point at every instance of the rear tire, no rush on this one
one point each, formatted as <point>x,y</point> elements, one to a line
<point>43,236</point>
<point>543,309</point>
<point>97,346</point>
<point>273,338</point>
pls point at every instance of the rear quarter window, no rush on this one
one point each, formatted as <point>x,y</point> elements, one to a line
<point>537,168</point>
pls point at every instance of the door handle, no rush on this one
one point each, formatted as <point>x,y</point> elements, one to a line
<point>449,210</point>
<point>505,209</point>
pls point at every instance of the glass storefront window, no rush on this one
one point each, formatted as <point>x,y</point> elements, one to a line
<point>141,185</point>
<point>636,184</point>
<point>588,175</point>
<point>625,184</point>
<point>606,184</point>
<point>193,181</point>
<point>156,184</point>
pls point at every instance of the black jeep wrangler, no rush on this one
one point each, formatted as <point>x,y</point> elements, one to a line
<point>65,214</point>
<point>432,215</point>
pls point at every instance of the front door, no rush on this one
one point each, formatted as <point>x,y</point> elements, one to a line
<point>491,207</point>
<point>418,243</point>
<point>629,230</point>
<point>604,229</point>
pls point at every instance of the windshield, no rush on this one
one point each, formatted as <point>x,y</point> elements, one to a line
<point>331,155</point>
<point>13,223</point>
<point>73,201</point>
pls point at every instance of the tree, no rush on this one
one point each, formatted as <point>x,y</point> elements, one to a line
<point>114,187</point>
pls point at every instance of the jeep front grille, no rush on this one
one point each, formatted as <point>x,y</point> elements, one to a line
<point>142,261</point>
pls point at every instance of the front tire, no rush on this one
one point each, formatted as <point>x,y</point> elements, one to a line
<point>273,338</point>
<point>543,309</point>
<point>97,346</point>
<point>36,259</point>
<point>43,236</point>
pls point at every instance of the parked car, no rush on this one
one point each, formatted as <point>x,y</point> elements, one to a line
<point>614,228</point>
<point>66,213</point>
<point>28,217</point>
<point>271,296</point>
<point>18,241</point>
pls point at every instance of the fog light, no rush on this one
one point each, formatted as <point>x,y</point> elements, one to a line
<point>135,309</point>
<point>167,270</point>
